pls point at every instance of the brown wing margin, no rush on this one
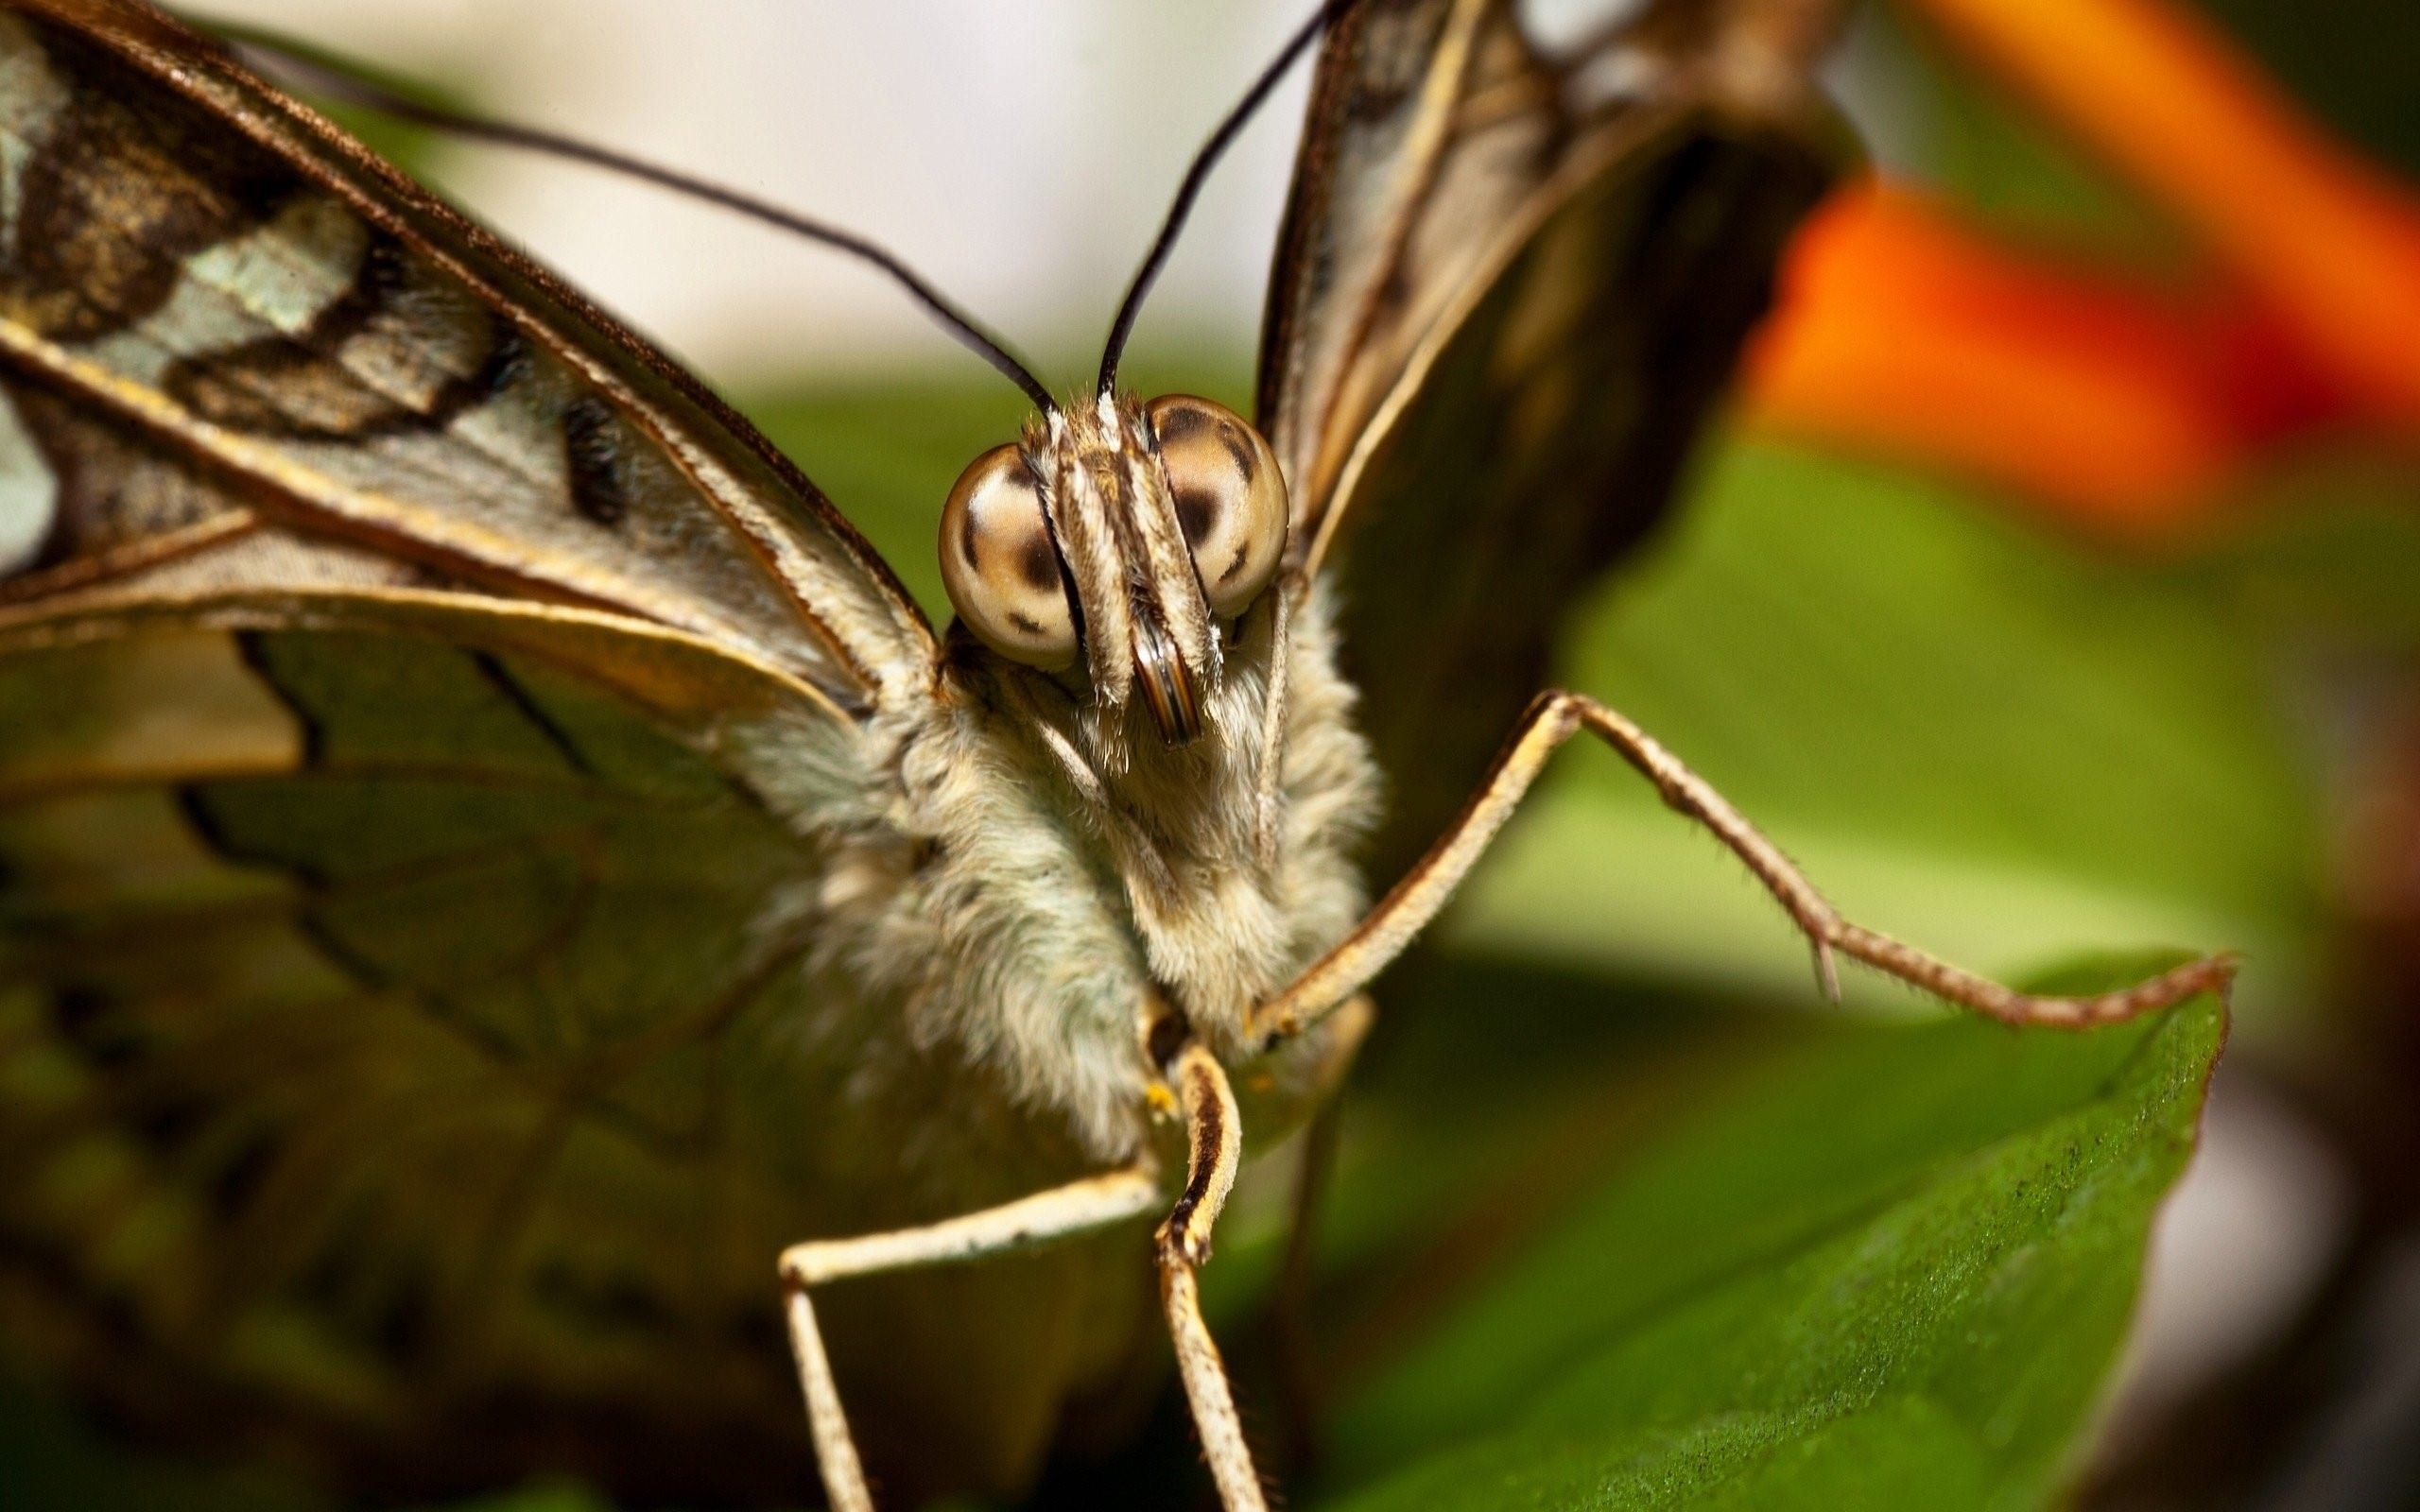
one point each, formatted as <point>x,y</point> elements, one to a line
<point>838,615</point>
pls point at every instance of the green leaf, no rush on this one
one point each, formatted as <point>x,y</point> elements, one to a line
<point>1968,734</point>
<point>1878,1267</point>
<point>2326,556</point>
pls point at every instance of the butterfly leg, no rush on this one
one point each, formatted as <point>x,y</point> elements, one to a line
<point>1213,1136</point>
<point>1061,1212</point>
<point>1554,718</point>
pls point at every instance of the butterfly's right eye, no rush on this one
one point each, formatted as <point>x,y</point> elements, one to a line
<point>999,565</point>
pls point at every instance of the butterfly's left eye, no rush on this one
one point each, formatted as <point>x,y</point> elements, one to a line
<point>1230,498</point>
<point>999,565</point>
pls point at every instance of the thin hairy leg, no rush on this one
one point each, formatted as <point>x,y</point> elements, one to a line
<point>1554,718</point>
<point>1214,1138</point>
<point>1029,1223</point>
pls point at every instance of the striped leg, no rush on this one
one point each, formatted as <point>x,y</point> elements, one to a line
<point>1214,1139</point>
<point>1061,1212</point>
<point>1554,718</point>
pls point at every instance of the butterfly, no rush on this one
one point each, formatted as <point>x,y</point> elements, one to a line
<point>522,946</point>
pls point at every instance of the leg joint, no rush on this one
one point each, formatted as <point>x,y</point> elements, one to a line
<point>797,1269</point>
<point>1560,709</point>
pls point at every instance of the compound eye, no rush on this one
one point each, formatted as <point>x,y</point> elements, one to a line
<point>999,565</point>
<point>1229,495</point>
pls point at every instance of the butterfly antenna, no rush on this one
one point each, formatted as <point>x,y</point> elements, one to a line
<point>1198,174</point>
<point>338,83</point>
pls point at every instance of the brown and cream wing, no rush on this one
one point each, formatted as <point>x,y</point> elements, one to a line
<point>1386,129</point>
<point>1510,291</point>
<point>191,260</point>
<point>414,1051</point>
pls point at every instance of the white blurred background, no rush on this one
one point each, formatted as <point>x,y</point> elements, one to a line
<point>1019,154</point>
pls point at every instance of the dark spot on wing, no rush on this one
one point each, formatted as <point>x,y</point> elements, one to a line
<point>380,278</point>
<point>341,378</point>
<point>590,445</point>
<point>125,184</point>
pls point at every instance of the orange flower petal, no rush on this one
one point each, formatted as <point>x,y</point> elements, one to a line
<point>1902,331</point>
<point>2332,245</point>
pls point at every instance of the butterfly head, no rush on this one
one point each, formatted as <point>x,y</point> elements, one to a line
<point>1116,545</point>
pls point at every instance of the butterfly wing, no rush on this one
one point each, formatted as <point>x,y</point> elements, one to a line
<point>194,258</point>
<point>372,972</point>
<point>434,735</point>
<point>1508,289</point>
<point>416,1050</point>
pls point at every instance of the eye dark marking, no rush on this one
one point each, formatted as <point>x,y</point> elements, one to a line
<point>1196,510</point>
<point>1238,449</point>
<point>1037,564</point>
<point>1236,566</point>
<point>1177,421</point>
<point>1025,624</point>
<point>966,539</point>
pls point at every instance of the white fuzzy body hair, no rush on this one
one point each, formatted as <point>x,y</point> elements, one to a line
<point>1014,922</point>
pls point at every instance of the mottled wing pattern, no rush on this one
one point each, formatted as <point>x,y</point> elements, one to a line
<point>386,993</point>
<point>1510,287</point>
<point>191,259</point>
<point>432,743</point>
<point>418,1034</point>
